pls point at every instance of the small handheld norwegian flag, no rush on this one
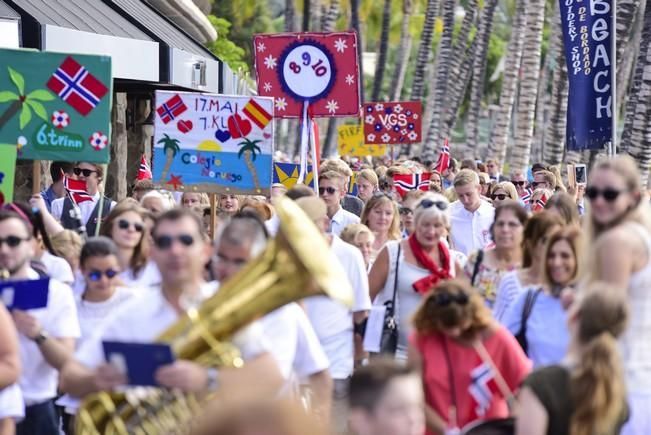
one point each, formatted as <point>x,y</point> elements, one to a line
<point>403,183</point>
<point>443,163</point>
<point>76,189</point>
<point>540,204</point>
<point>144,171</point>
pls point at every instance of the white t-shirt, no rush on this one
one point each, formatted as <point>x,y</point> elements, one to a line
<point>11,403</point>
<point>341,220</point>
<point>38,380</point>
<point>146,316</point>
<point>57,268</point>
<point>85,208</point>
<point>333,322</point>
<point>470,231</point>
<point>149,276</point>
<point>293,342</point>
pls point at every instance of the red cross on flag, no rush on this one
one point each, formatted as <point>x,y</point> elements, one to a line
<point>76,86</point>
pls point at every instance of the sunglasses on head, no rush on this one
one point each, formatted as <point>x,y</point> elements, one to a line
<point>538,183</point>
<point>124,224</point>
<point>330,190</point>
<point>500,197</point>
<point>609,194</point>
<point>444,299</point>
<point>96,275</point>
<point>85,172</point>
<point>427,203</point>
<point>519,183</point>
<point>405,211</point>
<point>12,241</point>
<point>165,242</point>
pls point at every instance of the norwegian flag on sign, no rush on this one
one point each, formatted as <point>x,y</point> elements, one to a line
<point>76,189</point>
<point>169,110</point>
<point>444,158</point>
<point>144,172</point>
<point>403,183</point>
<point>76,86</point>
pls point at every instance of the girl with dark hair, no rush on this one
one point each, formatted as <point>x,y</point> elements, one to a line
<point>460,351</point>
<point>585,393</point>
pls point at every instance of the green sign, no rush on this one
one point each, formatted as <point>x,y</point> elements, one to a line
<point>7,172</point>
<point>55,106</point>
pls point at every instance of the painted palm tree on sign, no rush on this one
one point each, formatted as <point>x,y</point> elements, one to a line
<point>170,148</point>
<point>22,102</point>
<point>250,151</point>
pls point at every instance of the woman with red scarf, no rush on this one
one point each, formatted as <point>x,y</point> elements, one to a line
<point>411,267</point>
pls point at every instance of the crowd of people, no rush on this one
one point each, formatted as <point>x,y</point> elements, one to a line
<point>516,301</point>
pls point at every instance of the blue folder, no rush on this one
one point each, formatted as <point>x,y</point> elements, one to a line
<point>25,295</point>
<point>139,361</point>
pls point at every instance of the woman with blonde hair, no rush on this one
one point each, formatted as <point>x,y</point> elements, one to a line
<point>563,205</point>
<point>618,231</point>
<point>367,184</point>
<point>503,191</point>
<point>382,217</point>
<point>585,394</point>
<point>68,244</point>
<point>194,199</point>
<point>455,342</point>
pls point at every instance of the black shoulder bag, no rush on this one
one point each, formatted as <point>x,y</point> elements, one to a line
<point>521,336</point>
<point>389,340</point>
<point>475,270</point>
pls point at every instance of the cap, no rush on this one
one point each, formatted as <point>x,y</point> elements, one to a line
<point>313,207</point>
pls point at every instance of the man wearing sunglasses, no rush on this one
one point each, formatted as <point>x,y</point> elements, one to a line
<point>63,208</point>
<point>181,251</point>
<point>46,336</point>
<point>350,203</point>
<point>331,190</point>
<point>519,180</point>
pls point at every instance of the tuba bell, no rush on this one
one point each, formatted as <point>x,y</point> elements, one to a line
<point>296,264</point>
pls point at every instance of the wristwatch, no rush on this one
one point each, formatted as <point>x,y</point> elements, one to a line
<point>40,337</point>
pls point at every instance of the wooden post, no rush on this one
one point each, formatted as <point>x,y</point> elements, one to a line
<point>36,177</point>
<point>119,150</point>
<point>213,215</point>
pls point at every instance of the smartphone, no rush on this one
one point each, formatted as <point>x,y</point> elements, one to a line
<point>581,174</point>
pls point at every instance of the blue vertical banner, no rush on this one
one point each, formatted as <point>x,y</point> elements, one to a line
<point>587,32</point>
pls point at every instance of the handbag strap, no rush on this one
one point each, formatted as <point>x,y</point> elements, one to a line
<point>395,279</point>
<point>527,309</point>
<point>475,271</point>
<point>499,379</point>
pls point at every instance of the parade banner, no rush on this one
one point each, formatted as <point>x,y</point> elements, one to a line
<point>55,106</point>
<point>7,173</point>
<point>315,72</point>
<point>587,33</point>
<point>350,142</point>
<point>213,143</point>
<point>393,123</point>
<point>287,174</point>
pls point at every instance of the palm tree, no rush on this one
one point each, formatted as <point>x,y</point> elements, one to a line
<point>22,102</point>
<point>402,52</point>
<point>250,150</point>
<point>512,64</point>
<point>328,25</point>
<point>555,135</point>
<point>381,64</point>
<point>170,148</point>
<point>290,16</point>
<point>424,50</point>
<point>636,139</point>
<point>354,24</point>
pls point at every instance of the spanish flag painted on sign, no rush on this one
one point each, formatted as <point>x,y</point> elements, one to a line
<point>257,114</point>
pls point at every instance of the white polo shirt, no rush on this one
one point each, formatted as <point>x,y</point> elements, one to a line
<point>293,342</point>
<point>470,231</point>
<point>148,315</point>
<point>341,220</point>
<point>38,380</point>
<point>333,322</point>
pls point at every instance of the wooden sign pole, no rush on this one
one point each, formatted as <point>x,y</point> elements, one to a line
<point>213,215</point>
<point>36,177</point>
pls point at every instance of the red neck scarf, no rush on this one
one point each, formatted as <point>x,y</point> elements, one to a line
<point>424,285</point>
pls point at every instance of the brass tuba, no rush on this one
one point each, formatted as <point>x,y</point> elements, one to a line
<point>296,264</point>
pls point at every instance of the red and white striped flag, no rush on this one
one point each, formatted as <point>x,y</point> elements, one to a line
<point>144,171</point>
<point>76,189</point>
<point>540,204</point>
<point>444,158</point>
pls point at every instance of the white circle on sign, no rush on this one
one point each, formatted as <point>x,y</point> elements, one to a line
<point>307,71</point>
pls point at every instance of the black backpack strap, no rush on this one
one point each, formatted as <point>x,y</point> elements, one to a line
<point>528,308</point>
<point>475,271</point>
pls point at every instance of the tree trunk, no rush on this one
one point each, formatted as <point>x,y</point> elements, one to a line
<point>529,84</point>
<point>637,127</point>
<point>424,51</point>
<point>329,22</point>
<point>117,173</point>
<point>402,53</point>
<point>355,25</point>
<point>381,64</point>
<point>307,10</point>
<point>555,138</point>
<point>290,15</point>
<point>500,135</point>
<point>625,69</point>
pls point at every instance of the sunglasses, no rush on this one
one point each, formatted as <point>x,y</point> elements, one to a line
<point>427,203</point>
<point>538,183</point>
<point>609,194</point>
<point>12,241</point>
<point>500,197</point>
<point>124,224</point>
<point>85,172</point>
<point>519,183</point>
<point>165,242</point>
<point>406,211</point>
<point>329,190</point>
<point>96,275</point>
<point>444,299</point>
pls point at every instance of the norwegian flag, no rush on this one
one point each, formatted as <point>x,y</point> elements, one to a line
<point>444,159</point>
<point>403,183</point>
<point>144,171</point>
<point>479,388</point>
<point>526,196</point>
<point>540,204</point>
<point>76,86</point>
<point>169,110</point>
<point>76,189</point>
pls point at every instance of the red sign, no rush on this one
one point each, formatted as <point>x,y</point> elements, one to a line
<point>318,68</point>
<point>392,123</point>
